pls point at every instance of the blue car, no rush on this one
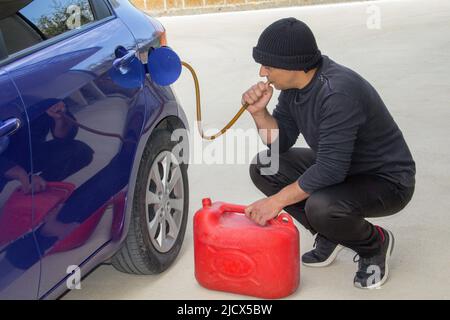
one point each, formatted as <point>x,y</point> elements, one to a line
<point>89,171</point>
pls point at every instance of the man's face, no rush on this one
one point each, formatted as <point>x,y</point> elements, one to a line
<point>280,78</point>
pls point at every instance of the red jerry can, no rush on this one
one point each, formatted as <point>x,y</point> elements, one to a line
<point>16,220</point>
<point>234,254</point>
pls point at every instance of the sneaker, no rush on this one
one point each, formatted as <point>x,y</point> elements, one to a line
<point>373,272</point>
<point>323,254</point>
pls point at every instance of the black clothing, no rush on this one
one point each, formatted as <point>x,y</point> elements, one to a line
<point>338,211</point>
<point>287,44</point>
<point>347,125</point>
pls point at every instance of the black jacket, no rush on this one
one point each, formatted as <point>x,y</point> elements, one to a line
<point>345,122</point>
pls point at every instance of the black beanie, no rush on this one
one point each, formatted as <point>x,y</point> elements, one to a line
<point>287,44</point>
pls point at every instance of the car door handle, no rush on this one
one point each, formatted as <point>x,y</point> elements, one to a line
<point>9,126</point>
<point>122,64</point>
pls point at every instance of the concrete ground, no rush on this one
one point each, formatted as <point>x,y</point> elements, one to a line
<point>407,60</point>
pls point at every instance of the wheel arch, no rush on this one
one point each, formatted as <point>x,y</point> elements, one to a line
<point>169,122</point>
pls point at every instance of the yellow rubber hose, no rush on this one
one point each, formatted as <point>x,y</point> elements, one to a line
<point>198,108</point>
<point>199,111</point>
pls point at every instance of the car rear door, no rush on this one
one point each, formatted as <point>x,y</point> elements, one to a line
<point>82,87</point>
<point>19,255</point>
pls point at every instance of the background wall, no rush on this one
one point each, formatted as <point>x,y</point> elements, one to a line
<point>180,7</point>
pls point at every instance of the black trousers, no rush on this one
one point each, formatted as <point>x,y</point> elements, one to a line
<point>337,212</point>
<point>59,159</point>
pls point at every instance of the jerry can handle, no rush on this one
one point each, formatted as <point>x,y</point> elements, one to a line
<point>236,208</point>
<point>58,184</point>
<point>223,206</point>
<point>282,218</point>
<point>66,186</point>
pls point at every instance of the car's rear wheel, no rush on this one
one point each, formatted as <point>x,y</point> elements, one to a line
<point>160,210</point>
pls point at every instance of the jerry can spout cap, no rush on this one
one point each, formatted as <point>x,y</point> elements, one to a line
<point>206,202</point>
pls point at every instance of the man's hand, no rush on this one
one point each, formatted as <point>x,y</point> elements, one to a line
<point>263,210</point>
<point>56,111</point>
<point>258,97</point>
<point>37,184</point>
<point>19,174</point>
<point>62,125</point>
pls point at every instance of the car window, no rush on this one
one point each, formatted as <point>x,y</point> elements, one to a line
<point>41,20</point>
<point>54,17</point>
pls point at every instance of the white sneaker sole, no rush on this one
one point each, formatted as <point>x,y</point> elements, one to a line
<point>327,262</point>
<point>386,264</point>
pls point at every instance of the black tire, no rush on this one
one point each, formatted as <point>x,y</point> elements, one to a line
<point>138,255</point>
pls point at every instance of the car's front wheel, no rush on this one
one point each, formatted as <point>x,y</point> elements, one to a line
<point>160,210</point>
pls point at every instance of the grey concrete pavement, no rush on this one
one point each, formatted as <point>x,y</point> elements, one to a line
<point>407,60</point>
